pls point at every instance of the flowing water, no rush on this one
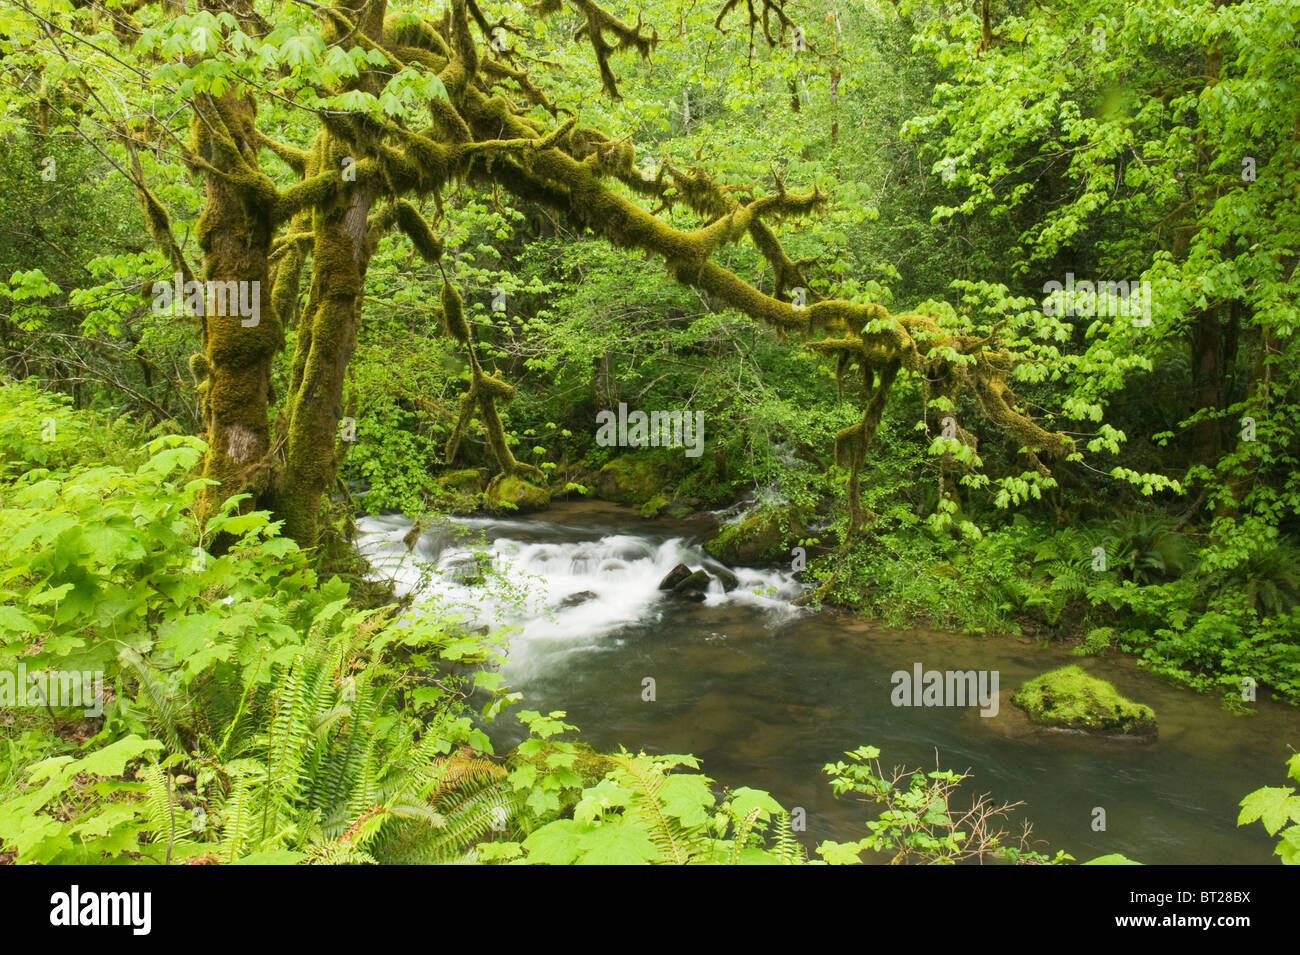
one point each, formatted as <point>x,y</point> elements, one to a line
<point>766,694</point>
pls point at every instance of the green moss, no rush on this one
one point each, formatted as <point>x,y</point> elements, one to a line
<point>453,314</point>
<point>507,491</point>
<point>467,479</point>
<point>763,536</point>
<point>418,231</point>
<point>652,507</point>
<point>591,764</point>
<point>638,478</point>
<point>461,492</point>
<point>1071,698</point>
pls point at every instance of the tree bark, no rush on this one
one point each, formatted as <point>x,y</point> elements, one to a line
<point>233,372</point>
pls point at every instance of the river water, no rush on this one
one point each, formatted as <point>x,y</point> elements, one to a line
<point>766,694</point>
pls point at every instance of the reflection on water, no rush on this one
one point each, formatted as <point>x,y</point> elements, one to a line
<point>766,694</point>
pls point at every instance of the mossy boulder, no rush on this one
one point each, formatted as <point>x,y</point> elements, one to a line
<point>591,764</point>
<point>681,509</point>
<point>695,586</point>
<point>639,478</point>
<point>678,509</point>
<point>652,507</point>
<point>507,492</point>
<point>1069,697</point>
<point>764,535</point>
<point>472,480</point>
<point>461,492</point>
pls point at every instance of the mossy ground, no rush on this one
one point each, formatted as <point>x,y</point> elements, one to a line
<point>1072,698</point>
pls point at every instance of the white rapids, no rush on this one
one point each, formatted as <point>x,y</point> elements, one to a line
<point>499,574</point>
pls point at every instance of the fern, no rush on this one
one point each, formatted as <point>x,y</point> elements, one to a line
<point>744,829</point>
<point>787,848</point>
<point>159,700</point>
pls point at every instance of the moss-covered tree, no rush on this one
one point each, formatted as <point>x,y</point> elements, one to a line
<point>370,114</point>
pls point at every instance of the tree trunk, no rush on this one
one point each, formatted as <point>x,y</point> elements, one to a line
<point>327,337</point>
<point>233,372</point>
<point>1208,383</point>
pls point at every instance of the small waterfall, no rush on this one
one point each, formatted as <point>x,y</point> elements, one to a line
<point>553,582</point>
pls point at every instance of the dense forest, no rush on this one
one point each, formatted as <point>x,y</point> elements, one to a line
<point>587,431</point>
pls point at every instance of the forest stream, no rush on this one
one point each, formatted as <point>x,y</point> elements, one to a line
<point>765,693</point>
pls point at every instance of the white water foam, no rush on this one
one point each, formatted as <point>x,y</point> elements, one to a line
<point>553,591</point>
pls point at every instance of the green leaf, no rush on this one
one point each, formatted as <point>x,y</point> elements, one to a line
<point>619,843</point>
<point>600,798</point>
<point>112,759</point>
<point>13,620</point>
<point>842,853</point>
<point>686,797</point>
<point>744,799</point>
<point>557,843</point>
<point>1273,805</point>
<point>1113,858</point>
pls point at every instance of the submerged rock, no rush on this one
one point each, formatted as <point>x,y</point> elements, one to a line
<point>683,509</point>
<point>697,582</point>
<point>694,586</point>
<point>684,582</point>
<point>728,579</point>
<point>678,509</point>
<point>1069,697</point>
<point>675,577</point>
<point>469,571</point>
<point>581,597</point>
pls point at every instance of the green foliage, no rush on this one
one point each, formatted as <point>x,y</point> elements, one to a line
<point>36,428</point>
<point>1097,641</point>
<point>1146,550</point>
<point>1278,808</point>
<point>281,721</point>
<point>917,821</point>
<point>76,811</point>
<point>961,172</point>
<point>643,810</point>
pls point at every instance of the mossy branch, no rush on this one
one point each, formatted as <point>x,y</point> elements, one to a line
<point>760,14</point>
<point>598,22</point>
<point>293,157</point>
